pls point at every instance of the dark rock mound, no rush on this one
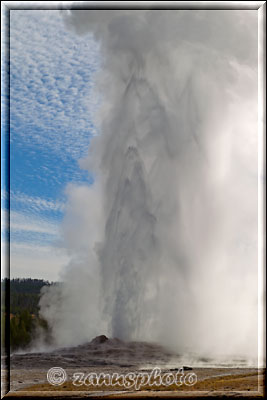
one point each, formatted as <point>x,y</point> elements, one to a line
<point>99,339</point>
<point>100,351</point>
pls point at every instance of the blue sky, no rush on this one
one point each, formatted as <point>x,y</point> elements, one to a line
<point>52,103</point>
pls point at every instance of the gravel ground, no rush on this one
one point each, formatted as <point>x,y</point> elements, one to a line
<point>28,374</point>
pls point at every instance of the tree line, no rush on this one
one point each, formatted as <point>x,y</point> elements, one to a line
<point>25,322</point>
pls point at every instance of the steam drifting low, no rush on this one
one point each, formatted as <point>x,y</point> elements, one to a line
<point>164,243</point>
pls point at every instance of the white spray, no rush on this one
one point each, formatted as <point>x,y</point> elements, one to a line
<point>164,243</point>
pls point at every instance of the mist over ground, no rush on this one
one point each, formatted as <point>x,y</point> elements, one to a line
<point>164,243</point>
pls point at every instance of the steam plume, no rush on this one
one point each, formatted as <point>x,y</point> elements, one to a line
<point>164,244</point>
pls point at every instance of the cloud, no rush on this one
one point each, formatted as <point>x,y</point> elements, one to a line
<point>51,79</point>
<point>23,222</point>
<point>35,247</point>
<point>37,203</point>
<point>52,107</point>
<point>44,262</point>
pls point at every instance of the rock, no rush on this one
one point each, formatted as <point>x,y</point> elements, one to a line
<point>184,368</point>
<point>99,339</point>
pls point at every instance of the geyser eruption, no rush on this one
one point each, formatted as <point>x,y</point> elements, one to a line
<point>164,243</point>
